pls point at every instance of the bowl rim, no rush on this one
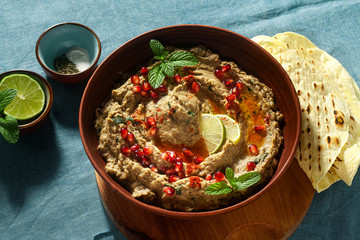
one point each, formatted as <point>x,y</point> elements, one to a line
<point>48,104</point>
<point>178,214</point>
<point>43,65</point>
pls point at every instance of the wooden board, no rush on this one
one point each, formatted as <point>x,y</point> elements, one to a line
<point>275,215</point>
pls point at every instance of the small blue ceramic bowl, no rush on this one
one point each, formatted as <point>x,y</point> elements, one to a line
<point>57,40</point>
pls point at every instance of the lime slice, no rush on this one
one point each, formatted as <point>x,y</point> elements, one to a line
<point>232,128</point>
<point>213,132</point>
<point>30,99</point>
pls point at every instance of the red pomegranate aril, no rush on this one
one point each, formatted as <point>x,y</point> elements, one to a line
<point>179,159</point>
<point>125,151</point>
<point>229,82</point>
<point>151,121</point>
<point>239,86</point>
<point>136,89</point>
<point>259,128</point>
<point>130,138</point>
<point>226,68</point>
<point>144,71</point>
<point>253,149</point>
<point>218,73</point>
<point>154,95</point>
<point>170,172</point>
<point>148,150</point>
<point>177,78</point>
<point>153,130</point>
<point>124,133</point>
<point>236,92</point>
<point>178,166</point>
<point>165,156</point>
<point>145,161</point>
<point>145,94</point>
<point>154,168</point>
<point>195,87</point>
<point>208,177</point>
<point>219,176</point>
<point>198,160</point>
<point>146,86</point>
<point>139,154</point>
<point>169,190</point>
<point>231,98</point>
<point>187,153</point>
<point>172,156</point>
<point>162,88</point>
<point>135,79</point>
<point>135,147</point>
<point>173,178</point>
<point>250,166</point>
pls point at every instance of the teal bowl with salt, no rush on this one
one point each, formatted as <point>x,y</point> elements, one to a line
<point>74,41</point>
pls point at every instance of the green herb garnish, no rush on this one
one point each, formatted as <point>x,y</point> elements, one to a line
<point>236,184</point>
<point>119,119</point>
<point>167,64</point>
<point>9,128</point>
<point>191,113</point>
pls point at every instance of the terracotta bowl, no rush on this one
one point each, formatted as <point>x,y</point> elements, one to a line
<point>231,46</point>
<point>32,124</point>
<point>58,39</point>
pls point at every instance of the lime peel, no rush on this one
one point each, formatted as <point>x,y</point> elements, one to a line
<point>213,131</point>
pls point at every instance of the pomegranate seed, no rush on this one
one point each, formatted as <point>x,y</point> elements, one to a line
<point>259,128</point>
<point>177,78</point>
<point>124,133</point>
<point>226,68</point>
<point>125,151</point>
<point>153,131</point>
<point>253,149</point>
<point>178,166</point>
<point>218,73</point>
<point>250,166</point>
<point>169,190</point>
<point>135,79</point>
<point>145,94</point>
<point>172,156</point>
<point>154,168</point>
<point>208,177</point>
<point>219,176</point>
<point>146,86</point>
<point>173,178</point>
<point>195,87</point>
<point>139,154</point>
<point>150,121</point>
<point>236,92</point>
<point>165,156</point>
<point>136,89</point>
<point>130,138</point>
<point>144,71</point>
<point>162,88</point>
<point>188,155</point>
<point>145,161</point>
<point>239,85</point>
<point>154,95</point>
<point>135,147</point>
<point>198,160</point>
<point>148,150</point>
<point>179,159</point>
<point>230,82</point>
<point>231,98</point>
<point>170,172</point>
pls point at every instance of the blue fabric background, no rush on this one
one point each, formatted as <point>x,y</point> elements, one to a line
<point>47,184</point>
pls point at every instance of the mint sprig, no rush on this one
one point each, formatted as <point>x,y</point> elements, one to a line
<point>236,184</point>
<point>9,128</point>
<point>167,64</point>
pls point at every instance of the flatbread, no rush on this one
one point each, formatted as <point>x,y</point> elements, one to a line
<point>330,109</point>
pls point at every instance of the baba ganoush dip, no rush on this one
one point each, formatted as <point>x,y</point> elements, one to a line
<point>152,143</point>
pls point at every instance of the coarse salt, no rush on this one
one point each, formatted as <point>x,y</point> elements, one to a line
<point>80,57</point>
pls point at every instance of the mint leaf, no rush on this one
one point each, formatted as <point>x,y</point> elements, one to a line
<point>9,129</point>
<point>229,173</point>
<point>167,69</point>
<point>246,180</point>
<point>157,48</point>
<point>218,188</point>
<point>182,58</point>
<point>6,97</point>
<point>156,76</point>
<point>119,119</point>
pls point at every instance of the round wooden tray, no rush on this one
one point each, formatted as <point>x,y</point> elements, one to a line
<point>275,215</point>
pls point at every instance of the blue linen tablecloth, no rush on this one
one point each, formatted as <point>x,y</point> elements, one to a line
<point>47,184</point>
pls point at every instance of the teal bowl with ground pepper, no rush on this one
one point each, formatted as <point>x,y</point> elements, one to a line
<point>57,40</point>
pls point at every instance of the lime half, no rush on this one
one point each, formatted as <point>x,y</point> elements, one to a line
<point>213,132</point>
<point>233,132</point>
<point>30,99</point>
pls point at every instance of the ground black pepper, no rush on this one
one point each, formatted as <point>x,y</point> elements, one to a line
<point>63,65</point>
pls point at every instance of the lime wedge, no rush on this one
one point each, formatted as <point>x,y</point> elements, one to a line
<point>30,99</point>
<point>233,132</point>
<point>213,132</point>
